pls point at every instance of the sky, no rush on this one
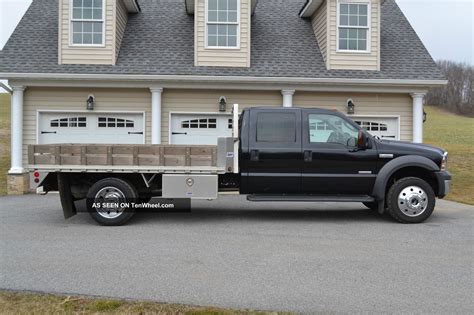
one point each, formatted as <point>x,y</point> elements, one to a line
<point>446,27</point>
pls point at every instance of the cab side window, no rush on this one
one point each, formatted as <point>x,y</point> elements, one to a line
<point>276,127</point>
<point>331,129</point>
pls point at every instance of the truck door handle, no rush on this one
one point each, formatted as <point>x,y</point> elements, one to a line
<point>254,155</point>
<point>308,156</point>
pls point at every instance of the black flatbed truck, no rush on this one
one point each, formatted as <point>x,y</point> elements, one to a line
<point>275,154</point>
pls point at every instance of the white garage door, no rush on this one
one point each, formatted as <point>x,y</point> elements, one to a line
<point>383,127</point>
<point>199,128</point>
<point>56,127</point>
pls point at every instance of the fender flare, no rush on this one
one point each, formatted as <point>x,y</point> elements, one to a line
<point>396,164</point>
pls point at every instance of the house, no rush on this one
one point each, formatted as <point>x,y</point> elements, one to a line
<point>167,71</point>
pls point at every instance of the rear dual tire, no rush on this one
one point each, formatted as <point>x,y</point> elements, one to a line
<point>111,190</point>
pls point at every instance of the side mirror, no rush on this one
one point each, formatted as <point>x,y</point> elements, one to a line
<point>361,141</point>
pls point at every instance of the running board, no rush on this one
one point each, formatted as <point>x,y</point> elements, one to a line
<point>312,198</point>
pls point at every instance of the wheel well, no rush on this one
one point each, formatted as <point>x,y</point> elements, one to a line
<point>413,171</point>
<point>81,182</point>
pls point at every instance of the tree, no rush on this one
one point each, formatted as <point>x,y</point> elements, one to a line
<point>457,95</point>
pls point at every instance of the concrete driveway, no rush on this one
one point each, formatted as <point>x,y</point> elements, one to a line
<point>232,253</point>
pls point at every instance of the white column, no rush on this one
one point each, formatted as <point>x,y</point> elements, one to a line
<point>418,117</point>
<point>156,93</point>
<point>17,130</point>
<point>287,97</point>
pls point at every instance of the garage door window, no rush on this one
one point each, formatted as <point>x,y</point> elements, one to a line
<point>204,123</point>
<point>68,122</point>
<point>112,122</point>
<point>372,126</point>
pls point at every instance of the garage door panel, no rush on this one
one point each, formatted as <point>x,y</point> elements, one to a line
<point>90,128</point>
<point>199,128</point>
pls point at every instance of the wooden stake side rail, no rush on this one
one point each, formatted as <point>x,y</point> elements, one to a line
<point>124,158</point>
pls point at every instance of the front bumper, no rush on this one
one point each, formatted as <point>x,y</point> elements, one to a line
<point>444,183</point>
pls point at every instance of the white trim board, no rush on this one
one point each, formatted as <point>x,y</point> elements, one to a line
<point>6,88</point>
<point>217,79</point>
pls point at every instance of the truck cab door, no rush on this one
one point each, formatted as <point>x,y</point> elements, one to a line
<point>273,161</point>
<point>332,163</point>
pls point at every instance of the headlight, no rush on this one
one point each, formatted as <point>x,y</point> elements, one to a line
<point>444,162</point>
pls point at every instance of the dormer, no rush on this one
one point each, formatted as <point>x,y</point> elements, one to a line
<point>91,31</point>
<point>347,31</point>
<point>222,31</point>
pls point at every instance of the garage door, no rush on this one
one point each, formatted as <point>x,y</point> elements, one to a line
<point>199,128</point>
<point>121,128</point>
<point>383,127</point>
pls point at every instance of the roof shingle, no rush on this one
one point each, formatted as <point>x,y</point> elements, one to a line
<point>160,41</point>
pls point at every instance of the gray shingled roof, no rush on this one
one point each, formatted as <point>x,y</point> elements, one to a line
<point>160,41</point>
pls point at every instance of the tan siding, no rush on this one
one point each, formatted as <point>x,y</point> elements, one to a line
<point>222,57</point>
<point>186,100</point>
<point>357,61</point>
<point>122,18</point>
<point>86,55</point>
<point>366,104</point>
<point>319,23</point>
<point>72,99</point>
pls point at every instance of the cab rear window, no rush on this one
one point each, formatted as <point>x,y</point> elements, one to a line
<point>276,127</point>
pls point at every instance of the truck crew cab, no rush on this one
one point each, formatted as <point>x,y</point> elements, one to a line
<point>276,154</point>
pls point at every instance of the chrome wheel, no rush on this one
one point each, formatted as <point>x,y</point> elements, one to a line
<point>112,197</point>
<point>412,201</point>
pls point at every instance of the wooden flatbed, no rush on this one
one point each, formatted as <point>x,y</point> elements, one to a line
<point>125,158</point>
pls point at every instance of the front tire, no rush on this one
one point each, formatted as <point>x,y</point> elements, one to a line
<point>111,191</point>
<point>411,200</point>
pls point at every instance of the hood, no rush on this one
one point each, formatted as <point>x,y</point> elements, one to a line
<point>401,148</point>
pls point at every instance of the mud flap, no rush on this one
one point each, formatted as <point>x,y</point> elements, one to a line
<point>67,200</point>
<point>381,206</point>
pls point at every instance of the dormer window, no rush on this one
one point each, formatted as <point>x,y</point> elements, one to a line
<point>87,22</point>
<point>222,23</point>
<point>353,26</point>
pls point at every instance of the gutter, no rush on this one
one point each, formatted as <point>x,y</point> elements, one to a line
<point>310,7</point>
<point>305,7</point>
<point>6,88</point>
<point>219,79</point>
<point>132,6</point>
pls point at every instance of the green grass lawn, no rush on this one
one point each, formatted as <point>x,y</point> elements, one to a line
<point>4,140</point>
<point>455,134</point>
<point>27,303</point>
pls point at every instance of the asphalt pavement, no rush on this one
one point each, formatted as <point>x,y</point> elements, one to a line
<point>303,257</point>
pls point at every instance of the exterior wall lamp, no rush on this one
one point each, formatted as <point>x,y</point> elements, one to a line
<point>350,107</point>
<point>222,103</point>
<point>90,102</point>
